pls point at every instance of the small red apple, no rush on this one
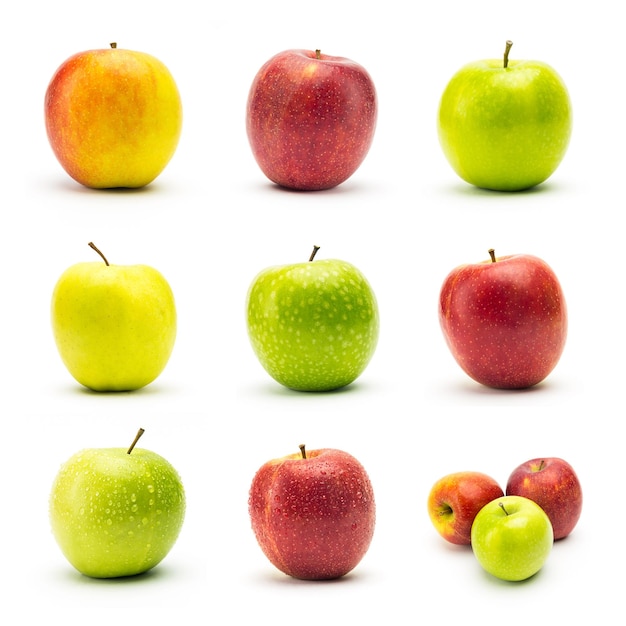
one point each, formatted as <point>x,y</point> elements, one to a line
<point>455,499</point>
<point>313,513</point>
<point>310,118</point>
<point>504,320</point>
<point>553,484</point>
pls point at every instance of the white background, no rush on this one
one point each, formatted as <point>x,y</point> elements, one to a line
<point>211,221</point>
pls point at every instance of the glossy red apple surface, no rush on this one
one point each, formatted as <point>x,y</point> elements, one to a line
<point>553,484</point>
<point>504,320</point>
<point>313,513</point>
<point>310,118</point>
<point>454,501</point>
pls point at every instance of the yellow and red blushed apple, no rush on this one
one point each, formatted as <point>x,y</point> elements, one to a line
<point>113,117</point>
<point>454,501</point>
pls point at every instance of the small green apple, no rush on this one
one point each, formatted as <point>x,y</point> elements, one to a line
<point>512,537</point>
<point>116,512</point>
<point>114,325</point>
<point>313,325</point>
<point>505,125</point>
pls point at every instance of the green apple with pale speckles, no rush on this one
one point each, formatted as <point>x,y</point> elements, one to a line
<point>313,325</point>
<point>116,512</point>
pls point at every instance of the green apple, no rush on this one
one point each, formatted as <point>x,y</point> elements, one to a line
<point>512,537</point>
<point>313,325</point>
<point>115,511</point>
<point>114,325</point>
<point>505,125</point>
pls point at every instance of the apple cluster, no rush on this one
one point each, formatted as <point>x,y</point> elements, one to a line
<point>511,531</point>
<point>114,118</point>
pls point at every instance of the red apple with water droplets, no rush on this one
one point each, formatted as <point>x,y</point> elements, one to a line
<point>310,118</point>
<point>504,320</point>
<point>313,513</point>
<point>553,484</point>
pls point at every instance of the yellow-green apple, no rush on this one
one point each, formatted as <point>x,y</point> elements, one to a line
<point>505,124</point>
<point>313,513</point>
<point>116,511</point>
<point>114,325</point>
<point>113,117</point>
<point>455,499</point>
<point>512,538</point>
<point>504,320</point>
<point>313,325</point>
<point>553,484</point>
<point>310,118</point>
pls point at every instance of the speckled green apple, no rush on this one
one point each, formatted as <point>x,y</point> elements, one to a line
<point>512,538</point>
<point>313,514</point>
<point>505,124</point>
<point>313,325</point>
<point>113,117</point>
<point>114,325</point>
<point>116,512</point>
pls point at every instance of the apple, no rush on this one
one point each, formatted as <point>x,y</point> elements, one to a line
<point>115,511</point>
<point>553,484</point>
<point>313,513</point>
<point>114,325</point>
<point>454,501</point>
<point>512,538</point>
<point>505,124</point>
<point>310,119</point>
<point>113,117</point>
<point>504,320</point>
<point>313,325</point>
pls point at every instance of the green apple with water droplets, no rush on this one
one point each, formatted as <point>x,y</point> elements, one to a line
<point>313,325</point>
<point>116,512</point>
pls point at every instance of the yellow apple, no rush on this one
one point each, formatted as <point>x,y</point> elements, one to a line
<point>113,117</point>
<point>114,325</point>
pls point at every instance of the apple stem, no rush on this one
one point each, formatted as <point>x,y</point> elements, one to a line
<point>140,432</point>
<point>93,247</point>
<point>509,43</point>
<point>318,54</point>
<point>113,44</point>
<point>492,254</point>
<point>315,249</point>
<point>302,451</point>
<point>502,507</point>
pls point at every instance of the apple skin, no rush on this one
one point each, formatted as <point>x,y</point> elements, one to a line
<point>514,542</point>
<point>313,325</point>
<point>113,117</point>
<point>313,513</point>
<point>115,513</point>
<point>114,325</point>
<point>454,501</point>
<point>504,320</point>
<point>553,484</point>
<point>310,119</point>
<point>505,128</point>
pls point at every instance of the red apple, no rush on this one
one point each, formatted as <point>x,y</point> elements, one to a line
<point>553,484</point>
<point>504,320</point>
<point>313,513</point>
<point>113,117</point>
<point>310,119</point>
<point>455,499</point>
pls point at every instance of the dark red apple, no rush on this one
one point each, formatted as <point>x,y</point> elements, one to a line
<point>310,119</point>
<point>313,513</point>
<point>455,499</point>
<point>553,484</point>
<point>504,320</point>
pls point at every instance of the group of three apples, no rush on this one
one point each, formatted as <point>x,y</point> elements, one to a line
<point>313,325</point>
